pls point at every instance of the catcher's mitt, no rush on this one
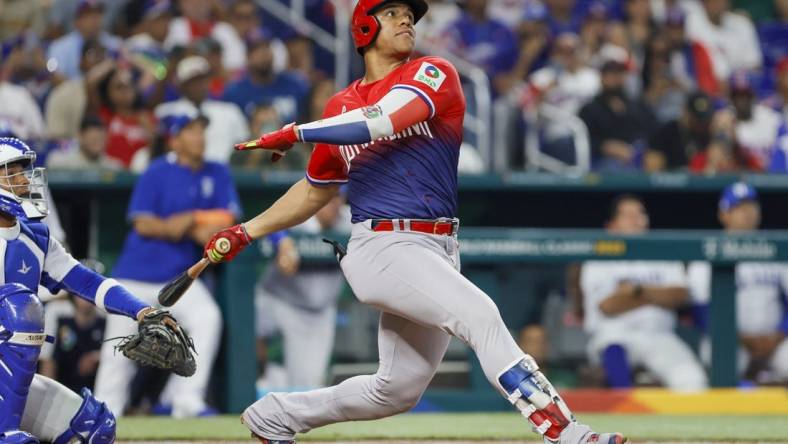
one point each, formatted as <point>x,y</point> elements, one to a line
<point>160,342</point>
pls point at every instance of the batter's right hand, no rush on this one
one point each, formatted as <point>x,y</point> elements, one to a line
<point>238,239</point>
<point>278,142</point>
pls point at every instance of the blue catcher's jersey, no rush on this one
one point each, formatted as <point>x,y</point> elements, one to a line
<point>30,256</point>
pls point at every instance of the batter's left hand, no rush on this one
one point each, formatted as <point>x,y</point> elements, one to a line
<point>278,142</point>
<point>238,239</point>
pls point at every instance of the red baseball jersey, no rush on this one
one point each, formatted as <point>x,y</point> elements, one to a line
<point>412,174</point>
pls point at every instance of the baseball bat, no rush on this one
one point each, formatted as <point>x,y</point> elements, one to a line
<point>174,289</point>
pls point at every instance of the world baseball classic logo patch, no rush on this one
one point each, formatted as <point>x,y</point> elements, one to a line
<point>371,112</point>
<point>430,75</point>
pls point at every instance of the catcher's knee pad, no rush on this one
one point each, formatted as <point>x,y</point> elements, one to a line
<point>94,423</point>
<point>536,398</point>
<point>21,337</point>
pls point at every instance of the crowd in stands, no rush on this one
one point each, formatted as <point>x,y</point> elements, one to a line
<point>660,84</point>
<point>699,85</point>
<point>92,81</point>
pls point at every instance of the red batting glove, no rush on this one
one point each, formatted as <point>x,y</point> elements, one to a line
<point>238,238</point>
<point>278,141</point>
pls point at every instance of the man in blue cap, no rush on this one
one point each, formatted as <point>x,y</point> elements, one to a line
<point>177,203</point>
<point>761,289</point>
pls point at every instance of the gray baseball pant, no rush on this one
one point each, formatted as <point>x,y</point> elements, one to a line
<point>414,279</point>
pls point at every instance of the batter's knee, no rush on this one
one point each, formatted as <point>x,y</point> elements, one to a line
<point>397,394</point>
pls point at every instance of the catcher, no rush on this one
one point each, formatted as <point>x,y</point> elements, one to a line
<point>34,408</point>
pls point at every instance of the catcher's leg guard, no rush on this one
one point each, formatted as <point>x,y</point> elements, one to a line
<point>536,398</point>
<point>21,337</point>
<point>94,423</point>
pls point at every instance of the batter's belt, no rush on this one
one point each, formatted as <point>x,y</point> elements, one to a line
<point>443,226</point>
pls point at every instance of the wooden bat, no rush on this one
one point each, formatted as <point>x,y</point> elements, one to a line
<point>174,289</point>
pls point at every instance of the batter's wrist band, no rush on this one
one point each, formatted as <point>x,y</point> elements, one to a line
<point>247,238</point>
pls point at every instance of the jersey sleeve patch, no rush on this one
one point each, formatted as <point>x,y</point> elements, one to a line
<point>430,75</point>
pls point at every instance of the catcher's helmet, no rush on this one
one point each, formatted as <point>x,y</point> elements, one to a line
<point>365,26</point>
<point>26,201</point>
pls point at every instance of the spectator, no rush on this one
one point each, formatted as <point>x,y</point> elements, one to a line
<point>301,59</point>
<point>286,90</point>
<point>63,13</point>
<point>66,106</point>
<point>676,142</point>
<point>563,16</point>
<point>690,62</point>
<point>176,205</point>
<point>663,92</point>
<point>433,27</point>
<point>566,83</point>
<point>629,309</point>
<point>724,154</point>
<point>779,100</point>
<point>17,17</point>
<point>593,29</point>
<point>264,119</point>
<point>639,26</point>
<point>130,126</point>
<point>757,126</point>
<point>730,38</point>
<point>212,51</point>
<point>21,114</point>
<point>227,124</point>
<point>761,288</point>
<point>149,22</point>
<point>26,65</point>
<point>198,22</point>
<point>508,12</point>
<point>615,47</point>
<point>485,42</point>
<point>299,301</point>
<point>533,38</point>
<point>244,16</point>
<point>618,126</point>
<point>89,151</point>
<point>64,54</point>
<point>79,333</point>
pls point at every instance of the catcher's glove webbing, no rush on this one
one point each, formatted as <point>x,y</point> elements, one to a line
<point>160,342</point>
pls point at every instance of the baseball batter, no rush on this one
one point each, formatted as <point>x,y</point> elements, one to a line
<point>394,137</point>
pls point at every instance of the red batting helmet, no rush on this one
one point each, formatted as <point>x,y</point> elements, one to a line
<point>365,26</point>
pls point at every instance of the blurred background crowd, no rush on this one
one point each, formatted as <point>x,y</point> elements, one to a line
<point>562,86</point>
<point>557,85</point>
